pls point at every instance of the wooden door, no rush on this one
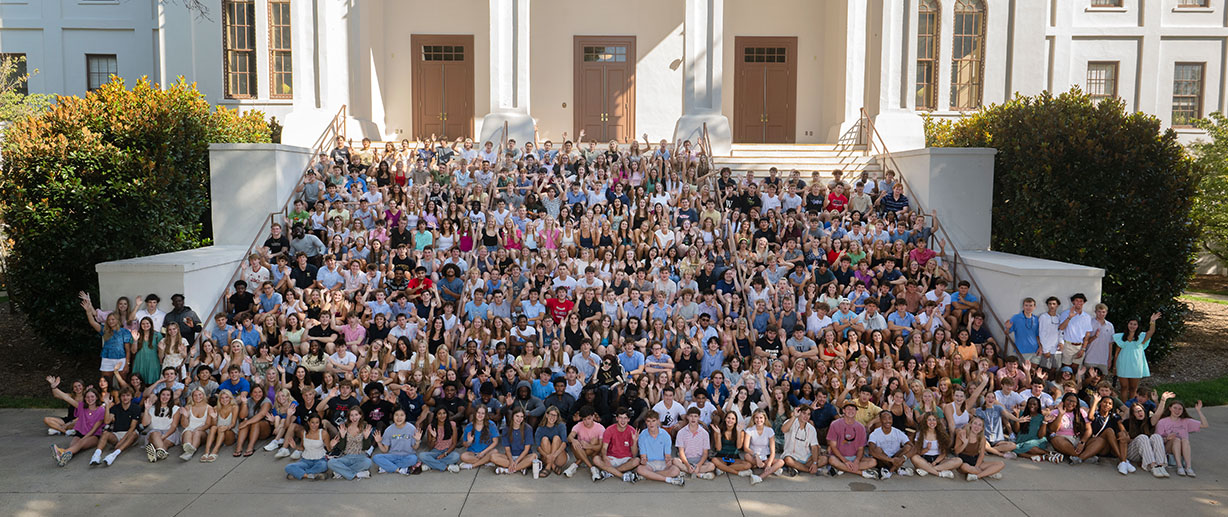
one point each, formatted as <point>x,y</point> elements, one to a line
<point>443,85</point>
<point>605,87</point>
<point>765,89</point>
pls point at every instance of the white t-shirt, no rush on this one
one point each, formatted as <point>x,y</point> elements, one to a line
<point>705,413</point>
<point>1050,335</point>
<point>1078,328</point>
<point>761,443</point>
<point>891,442</point>
<point>345,360</point>
<point>1010,401</point>
<point>799,441</point>
<point>669,415</point>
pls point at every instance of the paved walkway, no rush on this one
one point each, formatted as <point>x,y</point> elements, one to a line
<point>31,484</point>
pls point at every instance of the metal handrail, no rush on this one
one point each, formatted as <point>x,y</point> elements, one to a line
<point>875,140</point>
<point>335,128</point>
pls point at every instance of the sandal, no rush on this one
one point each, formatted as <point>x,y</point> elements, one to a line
<point>237,453</point>
<point>247,453</point>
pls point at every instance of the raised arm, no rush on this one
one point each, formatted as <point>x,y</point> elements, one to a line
<point>91,315</point>
<point>55,391</point>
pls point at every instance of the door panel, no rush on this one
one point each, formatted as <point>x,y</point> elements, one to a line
<point>748,105</point>
<point>617,118</point>
<point>778,126</point>
<point>442,85</point>
<point>765,89</point>
<point>604,87</point>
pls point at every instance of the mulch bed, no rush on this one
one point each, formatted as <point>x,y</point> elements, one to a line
<point>1202,352</point>
<point>28,361</point>
<point>1209,284</point>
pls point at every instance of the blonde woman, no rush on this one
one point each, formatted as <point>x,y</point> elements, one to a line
<point>226,417</point>
<point>196,419</point>
<point>173,349</point>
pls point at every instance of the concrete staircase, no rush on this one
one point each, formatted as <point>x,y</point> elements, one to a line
<point>806,158</point>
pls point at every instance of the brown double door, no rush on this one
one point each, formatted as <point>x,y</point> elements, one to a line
<point>765,89</point>
<point>443,85</point>
<point>605,87</point>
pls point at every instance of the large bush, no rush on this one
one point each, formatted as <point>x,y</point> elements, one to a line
<point>1211,204</point>
<point>118,174</point>
<point>1087,183</point>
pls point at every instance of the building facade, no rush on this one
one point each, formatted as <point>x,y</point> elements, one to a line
<point>750,71</point>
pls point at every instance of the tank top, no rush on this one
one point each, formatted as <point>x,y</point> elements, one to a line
<point>931,447</point>
<point>729,448</point>
<point>960,418</point>
<point>313,448</point>
<point>225,422</point>
<point>196,422</point>
<point>444,242</point>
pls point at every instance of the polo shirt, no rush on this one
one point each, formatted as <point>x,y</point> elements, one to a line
<point>691,443</point>
<point>619,442</point>
<point>655,448</point>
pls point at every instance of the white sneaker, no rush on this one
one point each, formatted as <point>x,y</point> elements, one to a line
<point>1189,471</point>
<point>281,453</point>
<point>466,466</point>
<point>537,469</point>
<point>187,456</point>
<point>596,474</point>
<point>96,458</point>
<point>404,471</point>
<point>1123,468</point>
<point>296,455</point>
<point>1130,467</point>
<point>629,477</point>
<point>381,470</point>
<point>707,476</point>
<point>1010,455</point>
<point>189,448</point>
<point>869,474</point>
<point>972,477</point>
<point>571,470</point>
<point>453,468</point>
<point>1180,471</point>
<point>906,471</point>
<point>1158,472</point>
<point>362,474</point>
<point>996,476</point>
<point>755,480</point>
<point>678,481</point>
<point>884,473</point>
<point>922,473</point>
<point>53,432</point>
<point>337,476</point>
<point>425,467</point>
<point>110,458</point>
<point>745,473</point>
<point>500,470</point>
<point>70,432</point>
<point>946,474</point>
<point>272,446</point>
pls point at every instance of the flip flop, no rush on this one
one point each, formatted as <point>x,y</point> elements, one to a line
<point>249,452</point>
<point>237,454</point>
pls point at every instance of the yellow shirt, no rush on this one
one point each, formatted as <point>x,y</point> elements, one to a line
<point>867,414</point>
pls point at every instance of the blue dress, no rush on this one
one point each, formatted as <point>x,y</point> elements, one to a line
<point>1131,359</point>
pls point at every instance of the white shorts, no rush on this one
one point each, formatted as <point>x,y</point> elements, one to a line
<point>109,365</point>
<point>618,462</point>
<point>119,435</point>
<point>658,466</point>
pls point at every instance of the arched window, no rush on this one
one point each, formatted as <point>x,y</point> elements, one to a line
<point>968,55</point>
<point>927,54</point>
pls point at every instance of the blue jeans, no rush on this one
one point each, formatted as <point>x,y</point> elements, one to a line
<point>303,467</point>
<point>437,461</point>
<point>392,462</point>
<point>349,465</point>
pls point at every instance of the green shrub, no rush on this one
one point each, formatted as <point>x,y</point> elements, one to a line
<point>1087,183</point>
<point>118,174</point>
<point>1211,204</point>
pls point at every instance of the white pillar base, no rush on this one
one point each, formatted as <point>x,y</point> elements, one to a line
<point>902,130</point>
<point>519,128</point>
<point>691,127</point>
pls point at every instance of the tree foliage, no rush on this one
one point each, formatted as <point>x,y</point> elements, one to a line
<point>1211,204</point>
<point>118,174</point>
<point>15,104</point>
<point>1084,182</point>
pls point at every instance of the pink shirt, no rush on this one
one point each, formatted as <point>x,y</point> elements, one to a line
<point>618,442</point>
<point>693,444</point>
<point>86,419</point>
<point>588,434</point>
<point>1168,426</point>
<point>849,438</point>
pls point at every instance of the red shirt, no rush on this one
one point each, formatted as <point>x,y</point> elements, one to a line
<point>836,202</point>
<point>559,308</point>
<point>618,442</point>
<point>417,285</point>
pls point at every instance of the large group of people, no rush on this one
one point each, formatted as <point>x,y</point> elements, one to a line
<point>620,311</point>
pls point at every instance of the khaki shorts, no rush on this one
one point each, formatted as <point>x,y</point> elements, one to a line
<point>658,466</point>
<point>1069,351</point>
<point>618,462</point>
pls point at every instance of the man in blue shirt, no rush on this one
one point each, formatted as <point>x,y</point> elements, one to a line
<point>901,321</point>
<point>631,360</point>
<point>330,274</point>
<point>270,302</point>
<point>236,384</point>
<point>1025,328</point>
<point>477,307</point>
<point>656,462</point>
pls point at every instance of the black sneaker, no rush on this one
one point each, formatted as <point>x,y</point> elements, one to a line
<point>790,471</point>
<point>416,470</point>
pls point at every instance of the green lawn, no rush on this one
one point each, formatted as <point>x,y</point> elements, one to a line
<point>1212,392</point>
<point>1203,299</point>
<point>31,402</point>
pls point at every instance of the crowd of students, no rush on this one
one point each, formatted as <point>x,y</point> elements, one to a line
<point>625,312</point>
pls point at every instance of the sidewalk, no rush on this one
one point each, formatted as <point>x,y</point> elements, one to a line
<point>31,484</point>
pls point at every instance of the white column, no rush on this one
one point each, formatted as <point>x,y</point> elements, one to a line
<point>854,64</point>
<point>509,73</point>
<point>900,128</point>
<point>704,35</point>
<point>302,57</point>
<point>334,53</point>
